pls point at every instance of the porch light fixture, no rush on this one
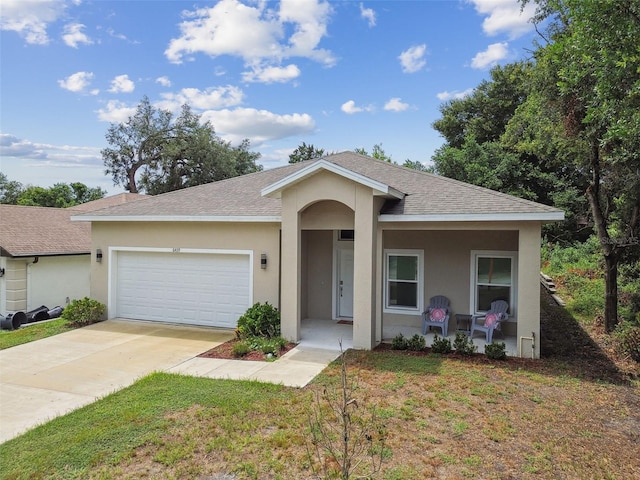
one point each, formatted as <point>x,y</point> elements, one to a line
<point>99,255</point>
<point>1,272</point>
<point>263,261</point>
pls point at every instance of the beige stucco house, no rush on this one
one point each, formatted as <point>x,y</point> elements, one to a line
<point>44,257</point>
<point>342,237</point>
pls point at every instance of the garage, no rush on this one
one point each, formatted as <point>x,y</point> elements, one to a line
<point>209,289</point>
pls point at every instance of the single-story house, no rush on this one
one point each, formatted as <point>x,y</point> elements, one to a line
<point>44,256</point>
<point>341,237</point>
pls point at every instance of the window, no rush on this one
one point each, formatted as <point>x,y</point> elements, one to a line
<point>346,235</point>
<point>493,277</point>
<point>403,281</point>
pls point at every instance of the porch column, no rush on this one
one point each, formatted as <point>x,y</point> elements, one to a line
<point>364,269</point>
<point>529,287</point>
<point>290,277</point>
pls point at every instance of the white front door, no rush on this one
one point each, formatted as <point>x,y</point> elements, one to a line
<point>345,283</point>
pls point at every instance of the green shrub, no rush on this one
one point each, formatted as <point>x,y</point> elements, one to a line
<point>84,312</point>
<point>416,343</point>
<point>496,351</point>
<point>399,342</point>
<point>261,320</point>
<point>463,344</point>
<point>241,348</point>
<point>627,335</point>
<point>441,345</point>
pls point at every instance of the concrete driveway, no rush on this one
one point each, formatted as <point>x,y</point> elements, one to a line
<point>47,378</point>
<point>50,377</point>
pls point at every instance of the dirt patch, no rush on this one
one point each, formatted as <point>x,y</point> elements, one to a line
<point>225,351</point>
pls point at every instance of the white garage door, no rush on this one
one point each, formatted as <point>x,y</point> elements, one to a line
<point>196,289</point>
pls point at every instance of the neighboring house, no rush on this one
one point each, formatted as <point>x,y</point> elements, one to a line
<point>44,257</point>
<point>342,237</point>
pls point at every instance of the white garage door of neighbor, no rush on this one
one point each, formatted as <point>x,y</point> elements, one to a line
<point>196,289</point>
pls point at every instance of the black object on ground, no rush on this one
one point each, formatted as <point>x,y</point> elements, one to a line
<point>12,321</point>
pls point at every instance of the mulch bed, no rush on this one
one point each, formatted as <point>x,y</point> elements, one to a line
<point>225,351</point>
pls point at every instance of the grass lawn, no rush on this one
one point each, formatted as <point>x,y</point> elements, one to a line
<point>31,332</point>
<point>573,415</point>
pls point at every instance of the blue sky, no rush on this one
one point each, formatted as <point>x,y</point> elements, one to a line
<point>336,74</point>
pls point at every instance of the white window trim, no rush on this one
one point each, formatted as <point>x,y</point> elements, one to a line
<point>513,301</point>
<point>404,310</point>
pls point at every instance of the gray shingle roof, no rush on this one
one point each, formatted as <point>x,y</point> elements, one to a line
<point>425,194</point>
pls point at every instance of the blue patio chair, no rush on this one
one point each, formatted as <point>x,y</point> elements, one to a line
<point>492,319</point>
<point>436,315</point>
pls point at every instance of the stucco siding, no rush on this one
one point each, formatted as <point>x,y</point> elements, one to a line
<point>55,280</point>
<point>258,238</point>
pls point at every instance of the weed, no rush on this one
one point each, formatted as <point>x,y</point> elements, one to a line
<point>627,335</point>
<point>240,349</point>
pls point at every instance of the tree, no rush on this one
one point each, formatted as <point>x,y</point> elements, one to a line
<point>61,195</point>
<point>416,165</point>
<point>305,152</point>
<point>155,153</point>
<point>592,68</point>
<point>10,190</point>
<point>377,153</point>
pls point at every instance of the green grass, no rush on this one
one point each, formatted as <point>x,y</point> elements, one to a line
<point>32,332</point>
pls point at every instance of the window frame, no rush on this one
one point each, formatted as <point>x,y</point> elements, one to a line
<point>513,296</point>
<point>417,310</point>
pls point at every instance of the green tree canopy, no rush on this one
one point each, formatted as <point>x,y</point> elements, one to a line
<point>156,153</point>
<point>61,195</point>
<point>305,152</point>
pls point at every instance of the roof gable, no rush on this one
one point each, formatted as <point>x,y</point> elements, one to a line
<point>379,188</point>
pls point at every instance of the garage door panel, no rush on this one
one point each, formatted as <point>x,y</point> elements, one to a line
<point>201,289</point>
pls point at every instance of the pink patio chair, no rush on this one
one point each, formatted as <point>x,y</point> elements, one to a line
<point>492,319</point>
<point>436,315</point>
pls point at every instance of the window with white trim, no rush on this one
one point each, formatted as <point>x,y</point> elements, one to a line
<point>493,277</point>
<point>404,285</point>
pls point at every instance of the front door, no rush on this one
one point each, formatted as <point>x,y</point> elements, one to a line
<point>345,283</point>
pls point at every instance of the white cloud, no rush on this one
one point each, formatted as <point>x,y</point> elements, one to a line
<point>396,105</point>
<point>211,98</point>
<point>14,147</point>
<point>122,84</point>
<point>455,95</point>
<point>115,112</point>
<point>73,35</point>
<point>255,33</point>
<point>258,126</point>
<point>412,59</point>
<point>30,18</point>
<point>505,16</point>
<point>77,82</point>
<point>349,107</point>
<point>491,56</point>
<point>164,81</point>
<point>271,74</point>
<point>369,15</point>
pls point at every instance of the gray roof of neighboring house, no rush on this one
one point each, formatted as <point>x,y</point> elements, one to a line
<point>425,195</point>
<point>40,231</point>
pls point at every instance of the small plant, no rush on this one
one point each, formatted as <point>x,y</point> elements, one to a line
<point>441,345</point>
<point>416,343</point>
<point>346,439</point>
<point>260,320</point>
<point>84,312</point>
<point>241,348</point>
<point>399,342</point>
<point>627,335</point>
<point>496,351</point>
<point>464,345</point>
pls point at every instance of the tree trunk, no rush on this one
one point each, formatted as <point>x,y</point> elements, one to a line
<point>609,249</point>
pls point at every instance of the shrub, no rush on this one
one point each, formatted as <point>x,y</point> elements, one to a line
<point>260,320</point>
<point>627,335</point>
<point>441,345</point>
<point>84,312</point>
<point>464,345</point>
<point>416,343</point>
<point>241,348</point>
<point>399,342</point>
<point>496,351</point>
